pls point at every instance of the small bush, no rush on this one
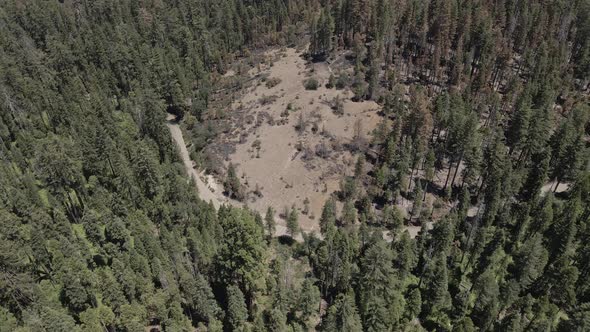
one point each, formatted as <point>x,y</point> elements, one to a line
<point>337,105</point>
<point>322,150</point>
<point>331,81</point>
<point>257,144</point>
<point>342,81</point>
<point>272,82</point>
<point>311,84</point>
<point>265,100</point>
<point>301,124</point>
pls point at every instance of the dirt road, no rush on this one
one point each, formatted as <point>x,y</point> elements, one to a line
<point>204,189</point>
<point>205,192</point>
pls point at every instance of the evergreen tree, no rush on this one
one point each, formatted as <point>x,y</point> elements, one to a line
<point>342,315</point>
<point>322,29</point>
<point>328,217</point>
<point>237,313</point>
<point>270,222</point>
<point>293,222</point>
<point>232,184</point>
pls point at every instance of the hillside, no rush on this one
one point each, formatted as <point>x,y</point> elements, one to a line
<point>294,165</point>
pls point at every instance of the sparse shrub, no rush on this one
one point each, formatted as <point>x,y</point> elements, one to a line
<point>260,118</point>
<point>314,127</point>
<point>342,81</point>
<point>266,100</point>
<point>258,191</point>
<point>301,124</point>
<point>271,120</point>
<point>311,84</point>
<point>331,81</point>
<point>299,146</point>
<point>337,105</point>
<point>257,145</point>
<point>308,153</point>
<point>285,212</point>
<point>360,88</point>
<point>243,138</point>
<point>272,82</point>
<point>322,150</point>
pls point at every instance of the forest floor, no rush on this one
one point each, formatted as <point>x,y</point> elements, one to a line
<point>279,164</point>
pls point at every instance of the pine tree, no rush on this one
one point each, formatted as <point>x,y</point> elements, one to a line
<point>270,222</point>
<point>308,302</point>
<point>375,284</point>
<point>293,222</point>
<point>519,124</point>
<point>405,254</point>
<point>240,257</point>
<point>328,217</point>
<point>322,29</point>
<point>348,213</point>
<point>232,184</point>
<point>237,313</point>
<point>343,315</point>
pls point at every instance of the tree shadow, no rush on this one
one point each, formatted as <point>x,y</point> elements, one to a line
<point>286,240</point>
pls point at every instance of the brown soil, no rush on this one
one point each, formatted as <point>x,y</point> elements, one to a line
<point>287,168</point>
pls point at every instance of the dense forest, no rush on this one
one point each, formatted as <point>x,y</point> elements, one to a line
<point>101,231</point>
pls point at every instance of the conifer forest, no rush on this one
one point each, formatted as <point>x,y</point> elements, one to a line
<point>294,165</point>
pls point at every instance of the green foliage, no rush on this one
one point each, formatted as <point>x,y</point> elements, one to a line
<point>322,29</point>
<point>311,84</point>
<point>237,313</point>
<point>241,255</point>
<point>101,231</point>
<point>232,184</point>
<point>328,217</point>
<point>7,321</point>
<point>270,222</point>
<point>343,315</point>
<point>309,301</point>
<point>293,222</point>
<point>348,213</point>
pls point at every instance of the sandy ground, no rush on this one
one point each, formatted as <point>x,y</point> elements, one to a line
<point>284,174</point>
<point>551,186</point>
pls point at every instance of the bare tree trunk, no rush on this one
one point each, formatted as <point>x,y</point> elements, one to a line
<point>448,175</point>
<point>457,169</point>
<point>557,185</point>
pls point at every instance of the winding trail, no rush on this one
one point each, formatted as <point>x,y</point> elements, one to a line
<point>205,192</point>
<point>204,189</point>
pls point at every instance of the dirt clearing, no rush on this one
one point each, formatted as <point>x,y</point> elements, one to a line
<point>288,144</point>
